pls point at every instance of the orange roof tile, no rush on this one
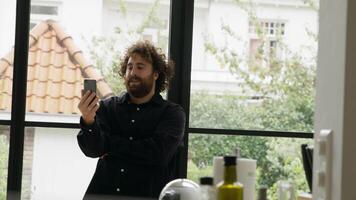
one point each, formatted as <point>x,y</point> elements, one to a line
<point>56,68</point>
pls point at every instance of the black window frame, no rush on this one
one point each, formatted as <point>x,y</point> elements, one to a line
<point>180,50</point>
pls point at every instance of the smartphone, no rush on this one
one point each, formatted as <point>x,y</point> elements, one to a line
<point>89,84</point>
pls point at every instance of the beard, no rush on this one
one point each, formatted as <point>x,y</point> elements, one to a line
<point>138,87</point>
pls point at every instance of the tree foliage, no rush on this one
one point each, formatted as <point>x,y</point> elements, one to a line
<point>3,166</point>
<point>277,158</point>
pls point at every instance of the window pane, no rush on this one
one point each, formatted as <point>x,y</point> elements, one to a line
<point>7,39</point>
<point>277,158</point>
<point>66,47</point>
<point>4,157</point>
<point>53,165</point>
<point>253,65</point>
<point>44,10</point>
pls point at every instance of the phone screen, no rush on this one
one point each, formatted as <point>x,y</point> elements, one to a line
<point>90,84</point>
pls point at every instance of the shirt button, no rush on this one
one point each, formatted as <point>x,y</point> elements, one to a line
<point>131,138</point>
<point>122,170</point>
<point>133,121</point>
<point>137,108</point>
<point>117,189</point>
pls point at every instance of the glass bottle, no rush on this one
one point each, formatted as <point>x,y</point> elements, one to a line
<point>230,188</point>
<point>262,193</point>
<point>207,188</point>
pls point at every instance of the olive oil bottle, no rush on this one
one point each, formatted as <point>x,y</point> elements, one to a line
<point>229,188</point>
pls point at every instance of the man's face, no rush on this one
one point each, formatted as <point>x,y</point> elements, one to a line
<point>140,78</point>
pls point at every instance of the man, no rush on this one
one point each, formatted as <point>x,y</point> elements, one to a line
<point>135,135</point>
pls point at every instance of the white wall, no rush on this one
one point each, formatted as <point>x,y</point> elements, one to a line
<point>336,94</point>
<point>82,20</point>
<point>114,17</point>
<point>60,170</point>
<point>7,26</point>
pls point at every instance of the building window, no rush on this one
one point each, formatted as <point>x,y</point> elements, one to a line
<point>44,10</point>
<point>265,36</point>
<point>41,11</point>
<point>267,27</point>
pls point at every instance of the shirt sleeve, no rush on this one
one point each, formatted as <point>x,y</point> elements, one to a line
<point>160,148</point>
<point>92,138</point>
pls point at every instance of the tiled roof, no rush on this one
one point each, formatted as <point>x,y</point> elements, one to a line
<point>56,68</point>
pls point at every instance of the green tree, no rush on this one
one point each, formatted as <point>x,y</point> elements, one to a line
<point>277,158</point>
<point>3,166</point>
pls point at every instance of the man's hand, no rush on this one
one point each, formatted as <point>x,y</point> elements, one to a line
<point>88,106</point>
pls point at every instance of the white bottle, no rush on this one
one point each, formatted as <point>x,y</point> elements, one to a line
<point>246,174</point>
<point>207,188</point>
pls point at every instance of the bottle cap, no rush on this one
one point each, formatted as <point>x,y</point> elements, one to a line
<point>206,180</point>
<point>262,192</point>
<point>229,160</point>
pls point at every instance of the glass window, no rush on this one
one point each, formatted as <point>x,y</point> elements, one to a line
<point>277,158</point>
<point>7,39</point>
<point>253,65</point>
<point>66,47</point>
<point>253,68</point>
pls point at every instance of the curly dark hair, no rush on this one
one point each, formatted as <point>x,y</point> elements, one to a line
<point>160,64</point>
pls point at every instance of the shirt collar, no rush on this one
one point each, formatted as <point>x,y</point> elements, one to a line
<point>157,98</point>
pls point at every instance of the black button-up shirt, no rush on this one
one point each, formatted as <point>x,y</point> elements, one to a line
<point>135,144</point>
